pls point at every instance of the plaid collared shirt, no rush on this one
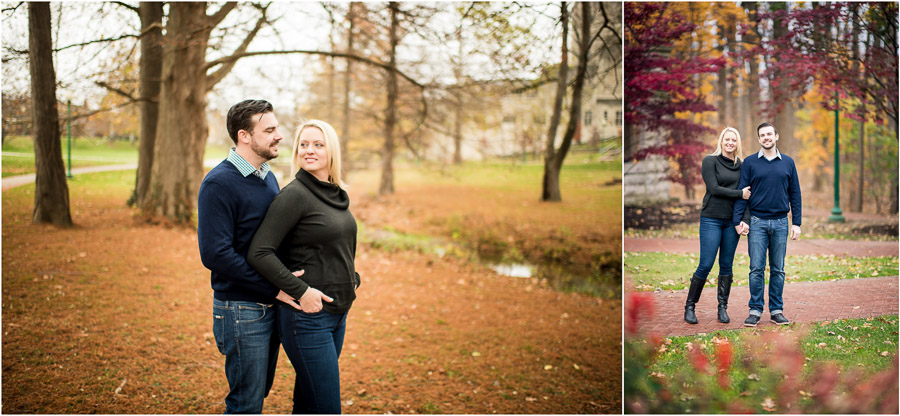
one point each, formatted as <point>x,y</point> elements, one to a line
<point>245,167</point>
<point>759,155</point>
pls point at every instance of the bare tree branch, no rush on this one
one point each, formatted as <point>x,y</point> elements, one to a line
<point>219,74</point>
<point>75,45</point>
<point>357,58</point>
<point>13,9</point>
<point>127,6</point>
<point>121,92</point>
<point>217,18</point>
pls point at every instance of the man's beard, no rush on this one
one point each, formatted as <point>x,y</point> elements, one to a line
<point>264,152</point>
<point>770,145</point>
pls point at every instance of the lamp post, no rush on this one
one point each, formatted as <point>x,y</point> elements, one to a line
<point>836,213</point>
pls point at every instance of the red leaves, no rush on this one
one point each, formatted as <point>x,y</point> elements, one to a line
<point>699,360</point>
<point>812,51</point>
<point>724,357</point>
<point>657,84</point>
<point>640,305</point>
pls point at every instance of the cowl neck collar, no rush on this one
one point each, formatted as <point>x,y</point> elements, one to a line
<point>729,163</point>
<point>327,192</point>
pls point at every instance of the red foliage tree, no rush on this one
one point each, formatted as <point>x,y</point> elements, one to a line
<point>816,49</point>
<point>658,85</point>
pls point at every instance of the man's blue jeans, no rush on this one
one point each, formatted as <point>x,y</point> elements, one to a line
<point>767,236</point>
<point>246,333</point>
<point>313,343</point>
<point>716,236</point>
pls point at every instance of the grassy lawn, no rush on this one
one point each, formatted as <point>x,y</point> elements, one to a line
<point>814,228</point>
<point>491,212</point>
<point>649,271</point>
<point>862,343</point>
<point>765,364</point>
<point>18,158</point>
<point>86,151</point>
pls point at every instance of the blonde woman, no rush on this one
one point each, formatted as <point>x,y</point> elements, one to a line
<point>721,173</point>
<point>310,226</point>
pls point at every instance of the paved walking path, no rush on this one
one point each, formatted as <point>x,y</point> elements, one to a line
<point>856,248</point>
<point>803,302</point>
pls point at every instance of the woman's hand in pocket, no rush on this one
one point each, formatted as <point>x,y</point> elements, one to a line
<point>311,301</point>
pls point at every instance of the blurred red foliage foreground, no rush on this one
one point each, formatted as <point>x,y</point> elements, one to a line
<point>754,371</point>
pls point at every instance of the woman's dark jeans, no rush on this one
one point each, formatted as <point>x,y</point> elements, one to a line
<point>313,343</point>
<point>716,236</point>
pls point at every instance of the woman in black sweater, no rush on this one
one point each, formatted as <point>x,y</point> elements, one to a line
<point>721,173</point>
<point>310,228</point>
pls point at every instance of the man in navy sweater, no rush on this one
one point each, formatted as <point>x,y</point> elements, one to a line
<point>776,190</point>
<point>233,200</point>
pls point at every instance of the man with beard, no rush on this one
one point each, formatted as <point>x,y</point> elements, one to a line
<point>233,200</point>
<point>776,190</point>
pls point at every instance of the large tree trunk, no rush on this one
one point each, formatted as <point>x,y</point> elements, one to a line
<point>732,97</point>
<point>553,168</point>
<point>784,119</point>
<point>752,96</point>
<point>345,120</point>
<point>722,81</point>
<point>458,102</point>
<point>178,151</point>
<point>151,14</point>
<point>857,205</point>
<point>390,113</point>
<point>51,193</point>
<point>550,185</point>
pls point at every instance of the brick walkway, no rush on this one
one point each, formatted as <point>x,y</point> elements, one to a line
<point>802,246</point>
<point>804,302</point>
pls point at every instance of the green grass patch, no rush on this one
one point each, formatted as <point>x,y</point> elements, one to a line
<point>757,371</point>
<point>18,157</point>
<point>391,240</point>
<point>507,176</point>
<point>849,343</point>
<point>649,271</point>
<point>813,229</point>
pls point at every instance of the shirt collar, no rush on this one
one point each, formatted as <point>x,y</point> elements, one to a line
<point>761,155</point>
<point>245,167</point>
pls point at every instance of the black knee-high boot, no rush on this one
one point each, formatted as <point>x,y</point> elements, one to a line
<point>722,295</point>
<point>692,298</point>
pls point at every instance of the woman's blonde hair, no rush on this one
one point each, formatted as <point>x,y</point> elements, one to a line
<point>332,147</point>
<point>738,153</point>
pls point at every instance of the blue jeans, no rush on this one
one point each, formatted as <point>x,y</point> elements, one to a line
<point>716,236</point>
<point>246,333</point>
<point>313,343</point>
<point>767,236</point>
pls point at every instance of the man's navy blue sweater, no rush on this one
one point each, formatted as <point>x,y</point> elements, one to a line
<point>229,210</point>
<point>774,189</point>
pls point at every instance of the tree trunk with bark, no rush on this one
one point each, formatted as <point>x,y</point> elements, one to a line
<point>722,81</point>
<point>857,205</point>
<point>550,185</point>
<point>151,14</point>
<point>390,112</point>
<point>345,120</point>
<point>51,192</point>
<point>784,119</point>
<point>458,101</point>
<point>553,165</point>
<point>178,152</point>
<point>752,97</point>
<point>732,97</point>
